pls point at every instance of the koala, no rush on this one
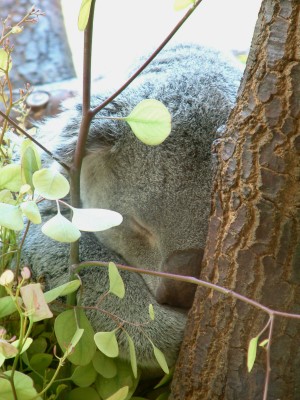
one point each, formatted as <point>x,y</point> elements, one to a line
<point>163,193</point>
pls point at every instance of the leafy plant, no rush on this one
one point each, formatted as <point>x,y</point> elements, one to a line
<point>31,363</point>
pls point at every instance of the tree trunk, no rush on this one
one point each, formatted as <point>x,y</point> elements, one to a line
<point>253,243</point>
<point>41,52</point>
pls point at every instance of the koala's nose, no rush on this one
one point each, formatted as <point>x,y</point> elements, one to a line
<point>181,262</point>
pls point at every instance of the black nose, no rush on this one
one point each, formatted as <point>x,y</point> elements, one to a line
<point>175,293</point>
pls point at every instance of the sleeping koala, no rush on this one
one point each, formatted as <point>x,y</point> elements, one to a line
<point>162,192</point>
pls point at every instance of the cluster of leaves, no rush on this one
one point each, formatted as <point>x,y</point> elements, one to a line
<point>22,186</point>
<point>31,365</point>
<point>87,364</point>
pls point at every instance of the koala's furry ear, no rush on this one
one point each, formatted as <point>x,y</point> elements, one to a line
<point>59,134</point>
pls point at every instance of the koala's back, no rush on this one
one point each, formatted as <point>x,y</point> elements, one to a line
<point>162,192</point>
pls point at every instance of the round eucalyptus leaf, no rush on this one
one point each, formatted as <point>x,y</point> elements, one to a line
<point>11,217</point>
<point>84,376</point>
<point>121,394</point>
<point>61,229</point>
<point>150,121</point>
<point>104,365</point>
<point>31,211</point>
<point>50,184</point>
<point>11,177</point>
<point>23,386</point>
<point>95,219</point>
<point>66,329</point>
<point>107,343</point>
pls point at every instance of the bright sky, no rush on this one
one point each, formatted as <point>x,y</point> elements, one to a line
<point>126,29</point>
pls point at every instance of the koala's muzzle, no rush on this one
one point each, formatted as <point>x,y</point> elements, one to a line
<point>176,293</point>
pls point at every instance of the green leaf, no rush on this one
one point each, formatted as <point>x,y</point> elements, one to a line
<point>95,219</point>
<point>40,362</point>
<point>11,177</point>
<point>5,62</point>
<point>7,306</point>
<point>88,393</point>
<point>50,184</point>
<point>25,346</point>
<point>62,290</point>
<point>124,377</point>
<point>107,343</point>
<point>132,353</point>
<point>61,229</point>
<point>264,343</point>
<point>75,339</point>
<point>65,327</point>
<point>104,365</point>
<point>163,396</point>
<point>6,197</point>
<point>121,394</point>
<point>84,376</point>
<point>28,144</point>
<point>116,284</point>
<point>151,312</point>
<point>160,358</point>
<point>150,121</point>
<point>31,211</point>
<point>23,385</point>
<point>30,161</point>
<point>39,345</point>
<point>59,389</point>
<point>2,359</point>
<point>251,356</point>
<point>165,380</point>
<point>181,4</point>
<point>11,217</point>
<point>84,14</point>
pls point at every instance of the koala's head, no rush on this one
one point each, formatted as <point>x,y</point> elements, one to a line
<point>162,192</point>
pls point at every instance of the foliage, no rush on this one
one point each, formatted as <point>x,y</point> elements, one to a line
<point>46,356</point>
<point>60,357</point>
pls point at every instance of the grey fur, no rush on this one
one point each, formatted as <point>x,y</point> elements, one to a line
<point>162,192</point>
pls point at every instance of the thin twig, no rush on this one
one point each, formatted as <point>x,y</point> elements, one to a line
<point>188,279</point>
<point>147,62</point>
<point>15,125</point>
<point>75,169</point>
<point>268,359</point>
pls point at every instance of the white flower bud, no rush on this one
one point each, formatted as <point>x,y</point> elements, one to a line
<point>7,278</point>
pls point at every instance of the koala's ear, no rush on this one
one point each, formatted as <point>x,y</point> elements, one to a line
<point>60,134</point>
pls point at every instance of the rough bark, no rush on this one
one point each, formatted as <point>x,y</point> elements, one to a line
<point>41,52</point>
<point>253,243</point>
